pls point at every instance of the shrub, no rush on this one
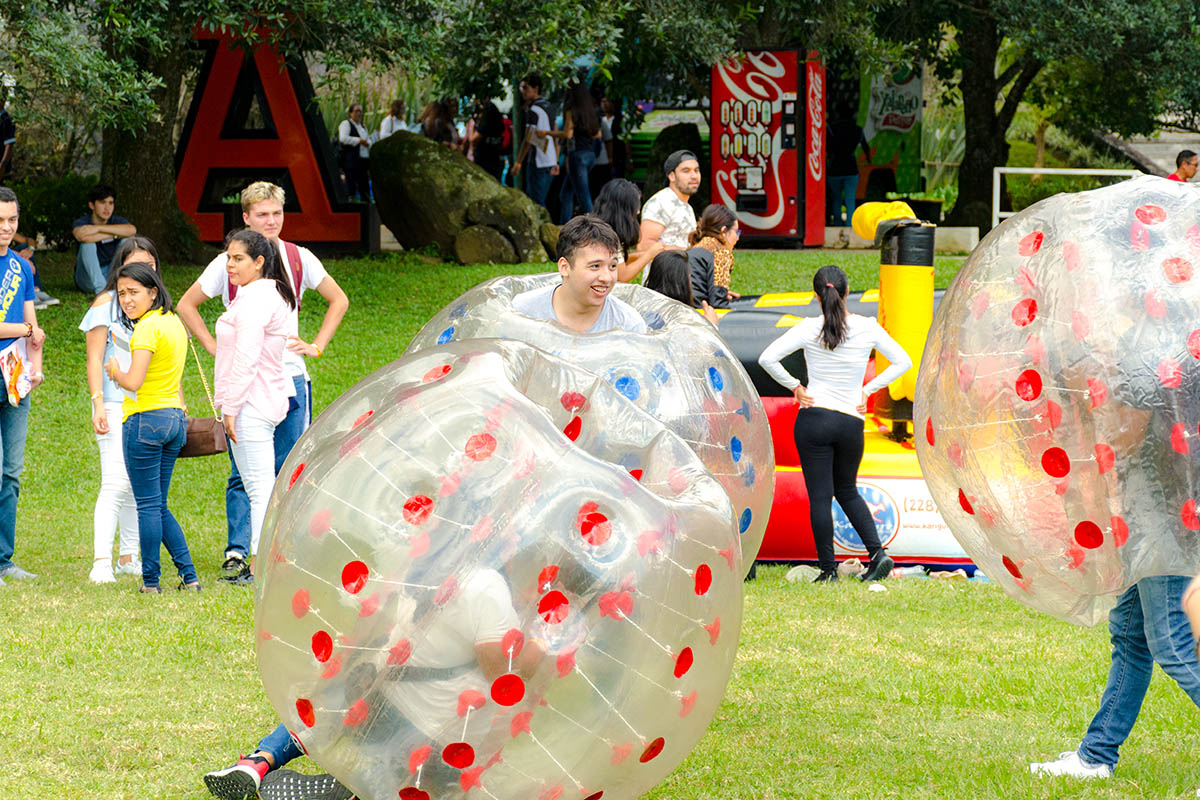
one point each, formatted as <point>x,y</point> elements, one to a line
<point>49,205</point>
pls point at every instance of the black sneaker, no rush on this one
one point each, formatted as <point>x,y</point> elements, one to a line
<point>183,586</point>
<point>879,568</point>
<point>239,781</point>
<point>285,784</point>
<point>233,564</point>
<point>826,577</point>
<point>244,577</point>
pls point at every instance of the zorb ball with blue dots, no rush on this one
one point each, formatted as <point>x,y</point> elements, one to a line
<point>486,574</point>
<point>681,372</point>
<point>1058,400</point>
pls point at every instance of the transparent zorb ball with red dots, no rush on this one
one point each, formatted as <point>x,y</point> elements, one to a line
<point>1058,400</point>
<point>485,573</point>
<point>680,372</point>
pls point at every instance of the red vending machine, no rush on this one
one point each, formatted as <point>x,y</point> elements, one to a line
<point>768,145</point>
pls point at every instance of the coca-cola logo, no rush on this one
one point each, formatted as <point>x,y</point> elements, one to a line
<point>816,122</point>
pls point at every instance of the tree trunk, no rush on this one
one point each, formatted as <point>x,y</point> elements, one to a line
<point>983,136</point>
<point>1039,139</point>
<point>141,165</point>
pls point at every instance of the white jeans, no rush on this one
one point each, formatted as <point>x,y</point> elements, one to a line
<point>115,502</point>
<point>254,453</point>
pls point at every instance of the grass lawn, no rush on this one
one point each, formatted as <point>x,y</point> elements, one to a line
<point>930,690</point>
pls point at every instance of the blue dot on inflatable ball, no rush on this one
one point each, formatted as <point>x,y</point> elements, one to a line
<point>750,475</point>
<point>629,387</point>
<point>654,320</point>
<point>661,373</point>
<point>744,520</point>
<point>446,335</point>
<point>714,377</point>
<point>735,448</point>
<point>458,311</point>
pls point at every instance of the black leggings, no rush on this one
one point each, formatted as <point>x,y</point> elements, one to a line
<point>830,445</point>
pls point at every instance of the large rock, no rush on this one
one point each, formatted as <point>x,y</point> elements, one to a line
<point>428,193</point>
<point>680,136</point>
<point>549,233</point>
<point>479,244</point>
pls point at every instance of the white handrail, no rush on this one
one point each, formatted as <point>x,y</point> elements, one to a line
<point>997,214</point>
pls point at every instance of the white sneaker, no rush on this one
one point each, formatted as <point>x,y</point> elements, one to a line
<point>44,298</point>
<point>1072,765</point>
<point>102,572</point>
<point>133,567</point>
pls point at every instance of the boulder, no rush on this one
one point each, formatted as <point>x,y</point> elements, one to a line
<point>427,193</point>
<point>479,244</point>
<point>549,233</point>
<point>680,136</point>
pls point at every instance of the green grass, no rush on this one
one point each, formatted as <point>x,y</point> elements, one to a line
<point>930,690</point>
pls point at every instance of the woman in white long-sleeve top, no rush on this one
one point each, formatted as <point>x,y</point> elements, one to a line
<point>829,424</point>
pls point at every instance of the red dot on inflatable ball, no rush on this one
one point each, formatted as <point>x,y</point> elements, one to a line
<point>1089,535</point>
<point>300,603</point>
<point>1150,215</point>
<point>322,646</point>
<point>1177,270</point>
<point>1189,517</point>
<point>1193,343</point>
<point>1029,385</point>
<point>1012,567</point>
<point>594,796</point>
<point>964,502</point>
<point>1024,312</point>
<point>436,374</point>
<point>1031,243</point>
<point>354,576</point>
<point>295,475</point>
<point>480,446</point>
<point>305,709</point>
<point>413,793</point>
<point>1105,458</point>
<point>652,750</point>
<point>703,579</point>
<point>554,607</point>
<point>1170,373</point>
<point>508,690</point>
<point>1120,531</point>
<point>1056,462</point>
<point>683,662</point>
<point>929,431</point>
<point>459,755</point>
<point>417,509</point>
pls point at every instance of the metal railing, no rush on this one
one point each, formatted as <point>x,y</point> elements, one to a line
<point>997,214</point>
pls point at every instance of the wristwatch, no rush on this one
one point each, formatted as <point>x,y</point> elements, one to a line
<point>28,330</point>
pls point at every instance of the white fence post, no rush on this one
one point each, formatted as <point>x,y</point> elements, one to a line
<point>997,214</point>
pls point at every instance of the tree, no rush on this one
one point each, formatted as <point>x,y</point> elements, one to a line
<point>1110,69</point>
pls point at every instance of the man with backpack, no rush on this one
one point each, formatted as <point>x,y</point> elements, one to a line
<point>543,162</point>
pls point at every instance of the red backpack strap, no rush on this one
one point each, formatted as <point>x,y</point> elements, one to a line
<point>293,257</point>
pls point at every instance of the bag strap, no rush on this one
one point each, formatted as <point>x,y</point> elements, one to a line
<point>203,379</point>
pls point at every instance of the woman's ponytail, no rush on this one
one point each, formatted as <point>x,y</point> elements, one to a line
<point>830,286</point>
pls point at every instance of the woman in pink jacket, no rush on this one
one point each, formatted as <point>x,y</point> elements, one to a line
<point>252,387</point>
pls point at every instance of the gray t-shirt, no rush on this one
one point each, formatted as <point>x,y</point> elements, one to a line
<point>616,314</point>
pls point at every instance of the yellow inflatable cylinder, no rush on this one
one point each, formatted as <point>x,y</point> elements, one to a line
<point>905,312</point>
<point>868,216</point>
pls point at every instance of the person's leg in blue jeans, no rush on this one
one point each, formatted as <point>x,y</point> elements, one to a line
<point>849,190</point>
<point>244,778</point>
<point>288,431</point>
<point>14,423</point>
<point>575,186</point>
<point>1147,625</point>
<point>152,440</point>
<point>237,517</point>
<point>537,183</point>
<point>90,274</point>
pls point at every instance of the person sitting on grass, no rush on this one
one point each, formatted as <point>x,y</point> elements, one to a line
<point>98,235</point>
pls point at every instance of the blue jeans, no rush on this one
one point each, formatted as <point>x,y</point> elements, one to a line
<point>280,745</point>
<point>90,274</point>
<point>14,422</point>
<point>1147,625</point>
<point>575,185</point>
<point>237,502</point>
<point>537,182</point>
<point>842,189</point>
<point>152,441</point>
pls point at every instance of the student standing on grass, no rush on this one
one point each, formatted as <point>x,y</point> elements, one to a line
<point>262,211</point>
<point>153,428</point>
<point>829,424</point>
<point>98,235</point>
<point>18,320</point>
<point>104,333</point>
<point>252,386</point>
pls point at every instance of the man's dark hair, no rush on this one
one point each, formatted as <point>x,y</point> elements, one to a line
<point>584,230</point>
<point>100,191</point>
<point>1184,155</point>
<point>7,195</point>
<point>533,81</point>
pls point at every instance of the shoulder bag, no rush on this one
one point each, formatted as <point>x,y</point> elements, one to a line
<point>205,435</point>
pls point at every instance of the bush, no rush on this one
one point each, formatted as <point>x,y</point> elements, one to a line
<point>49,206</point>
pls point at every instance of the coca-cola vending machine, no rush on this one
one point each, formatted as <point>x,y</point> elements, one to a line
<point>768,145</point>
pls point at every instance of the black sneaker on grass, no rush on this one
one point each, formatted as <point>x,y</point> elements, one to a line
<point>233,564</point>
<point>243,578</point>
<point>285,784</point>
<point>239,781</point>
<point>879,568</point>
